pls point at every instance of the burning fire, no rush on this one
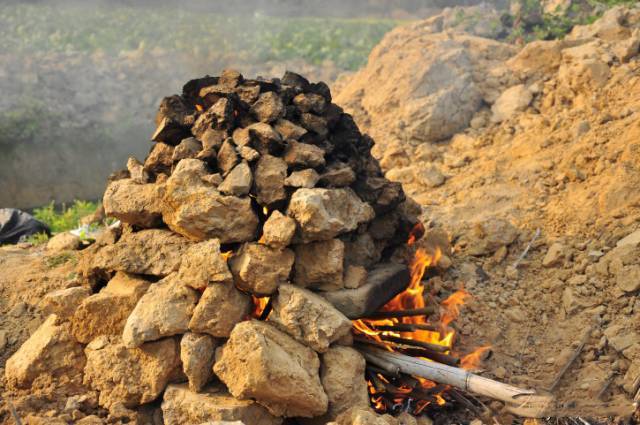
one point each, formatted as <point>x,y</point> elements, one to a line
<point>416,233</point>
<point>411,298</point>
<point>451,307</point>
<point>415,335</point>
<point>259,306</point>
<point>472,360</point>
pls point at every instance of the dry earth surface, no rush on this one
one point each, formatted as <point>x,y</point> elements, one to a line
<point>496,144</point>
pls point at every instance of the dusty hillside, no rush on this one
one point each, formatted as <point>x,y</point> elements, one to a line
<point>496,143</point>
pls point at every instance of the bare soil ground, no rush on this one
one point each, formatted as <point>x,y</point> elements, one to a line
<point>564,163</point>
<point>27,275</point>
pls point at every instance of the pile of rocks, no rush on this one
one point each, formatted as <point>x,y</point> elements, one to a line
<point>254,188</point>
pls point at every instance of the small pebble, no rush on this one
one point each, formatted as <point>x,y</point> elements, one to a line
<point>500,372</point>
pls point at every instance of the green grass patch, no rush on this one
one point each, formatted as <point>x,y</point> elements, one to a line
<point>60,259</point>
<point>557,25</point>
<point>37,239</point>
<point>347,42</point>
<point>66,217</point>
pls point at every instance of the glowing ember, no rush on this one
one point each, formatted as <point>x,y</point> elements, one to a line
<point>259,305</point>
<point>227,255</point>
<point>416,233</point>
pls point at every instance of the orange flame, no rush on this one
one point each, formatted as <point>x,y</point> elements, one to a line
<point>259,304</point>
<point>451,306</point>
<point>472,360</point>
<point>410,298</point>
<point>227,255</point>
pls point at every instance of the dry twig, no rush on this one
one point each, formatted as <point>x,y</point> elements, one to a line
<point>527,248</point>
<point>14,413</point>
<point>606,385</point>
<point>574,356</point>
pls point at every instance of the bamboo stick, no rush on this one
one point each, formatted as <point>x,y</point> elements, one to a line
<point>388,367</point>
<point>526,402</point>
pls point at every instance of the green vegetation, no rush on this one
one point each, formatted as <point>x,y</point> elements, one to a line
<point>37,239</point>
<point>23,122</point>
<point>531,23</point>
<point>26,28</point>
<point>113,29</point>
<point>65,218</point>
<point>611,3</point>
<point>60,259</point>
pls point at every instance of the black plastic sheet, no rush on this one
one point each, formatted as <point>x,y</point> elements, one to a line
<point>16,225</point>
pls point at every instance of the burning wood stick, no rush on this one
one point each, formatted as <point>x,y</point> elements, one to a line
<point>460,398</point>
<point>414,343</point>
<point>267,310</point>
<point>425,311</point>
<point>525,402</point>
<point>371,374</point>
<point>407,327</point>
<point>437,356</point>
<point>433,355</point>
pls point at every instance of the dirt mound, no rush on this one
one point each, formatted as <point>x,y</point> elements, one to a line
<point>438,81</point>
<point>545,138</point>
